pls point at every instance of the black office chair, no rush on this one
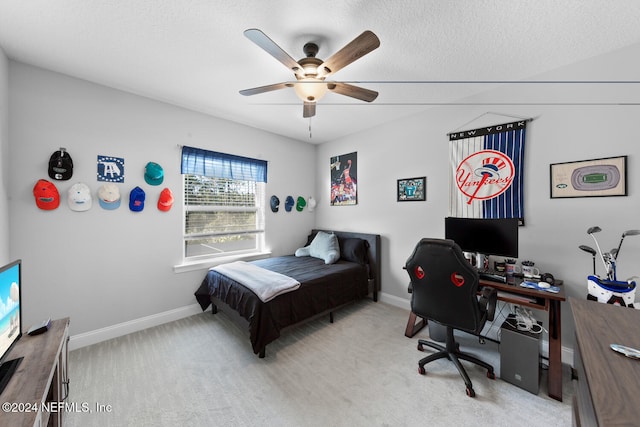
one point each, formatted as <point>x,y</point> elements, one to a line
<point>445,290</point>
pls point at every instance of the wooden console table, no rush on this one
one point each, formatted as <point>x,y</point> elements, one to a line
<point>513,293</point>
<point>608,382</point>
<point>36,393</point>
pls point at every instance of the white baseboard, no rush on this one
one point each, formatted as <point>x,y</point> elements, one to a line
<point>567,353</point>
<point>93,337</point>
<point>395,301</point>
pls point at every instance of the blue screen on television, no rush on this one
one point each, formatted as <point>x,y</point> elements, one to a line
<point>10,328</point>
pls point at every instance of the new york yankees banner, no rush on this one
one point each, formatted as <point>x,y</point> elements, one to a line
<point>487,172</point>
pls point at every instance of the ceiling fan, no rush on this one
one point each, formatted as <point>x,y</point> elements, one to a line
<point>311,72</point>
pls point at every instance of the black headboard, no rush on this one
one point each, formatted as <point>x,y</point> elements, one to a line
<point>373,252</point>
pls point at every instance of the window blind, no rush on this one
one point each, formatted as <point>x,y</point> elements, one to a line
<point>197,161</point>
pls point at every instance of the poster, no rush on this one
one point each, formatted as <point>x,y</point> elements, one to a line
<point>344,179</point>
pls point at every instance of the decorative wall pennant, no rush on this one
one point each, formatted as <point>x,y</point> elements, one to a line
<point>487,172</point>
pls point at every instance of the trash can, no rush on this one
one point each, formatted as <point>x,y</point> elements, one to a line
<point>437,332</point>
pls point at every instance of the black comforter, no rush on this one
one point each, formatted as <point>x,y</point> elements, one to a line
<point>322,287</point>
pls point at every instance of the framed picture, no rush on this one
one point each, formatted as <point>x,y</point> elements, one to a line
<point>589,178</point>
<point>412,189</point>
<point>110,169</point>
<point>344,179</point>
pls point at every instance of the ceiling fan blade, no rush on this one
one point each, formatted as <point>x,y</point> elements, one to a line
<point>357,48</point>
<point>263,89</point>
<point>309,109</point>
<point>263,41</point>
<point>353,91</point>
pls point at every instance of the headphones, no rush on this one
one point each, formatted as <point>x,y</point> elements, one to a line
<point>547,277</point>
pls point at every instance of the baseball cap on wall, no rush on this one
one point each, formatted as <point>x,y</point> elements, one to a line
<point>60,165</point>
<point>109,196</point>
<point>311,204</point>
<point>46,195</point>
<point>288,203</point>
<point>275,203</point>
<point>165,201</point>
<point>79,197</point>
<point>301,203</point>
<point>153,174</point>
<point>136,199</point>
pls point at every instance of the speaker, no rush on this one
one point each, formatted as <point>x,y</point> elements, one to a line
<point>519,356</point>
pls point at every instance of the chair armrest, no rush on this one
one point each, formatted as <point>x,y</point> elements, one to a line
<point>410,288</point>
<point>488,301</point>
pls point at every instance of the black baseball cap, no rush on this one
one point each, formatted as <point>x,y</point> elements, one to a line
<point>60,165</point>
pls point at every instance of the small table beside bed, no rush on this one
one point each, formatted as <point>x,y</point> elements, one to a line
<point>309,283</point>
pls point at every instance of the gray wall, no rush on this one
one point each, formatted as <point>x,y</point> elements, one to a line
<point>4,158</point>
<point>104,268</point>
<point>418,146</point>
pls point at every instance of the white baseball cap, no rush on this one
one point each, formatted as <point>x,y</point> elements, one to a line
<point>109,196</point>
<point>311,203</point>
<point>79,197</point>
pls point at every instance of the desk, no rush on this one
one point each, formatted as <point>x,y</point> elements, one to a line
<point>513,293</point>
<point>39,386</point>
<point>608,382</point>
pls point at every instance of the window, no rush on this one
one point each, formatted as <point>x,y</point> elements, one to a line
<point>224,203</point>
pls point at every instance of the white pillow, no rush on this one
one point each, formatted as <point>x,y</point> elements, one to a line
<point>324,246</point>
<point>306,251</point>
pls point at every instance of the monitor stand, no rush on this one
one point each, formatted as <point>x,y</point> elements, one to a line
<point>7,369</point>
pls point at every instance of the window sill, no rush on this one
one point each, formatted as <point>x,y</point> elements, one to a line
<point>212,262</point>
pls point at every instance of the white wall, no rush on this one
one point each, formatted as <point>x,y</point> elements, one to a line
<point>418,146</point>
<point>104,268</point>
<point>4,158</point>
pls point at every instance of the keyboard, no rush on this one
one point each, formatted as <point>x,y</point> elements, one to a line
<point>492,275</point>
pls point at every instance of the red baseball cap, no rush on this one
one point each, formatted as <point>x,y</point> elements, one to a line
<point>166,200</point>
<point>46,194</point>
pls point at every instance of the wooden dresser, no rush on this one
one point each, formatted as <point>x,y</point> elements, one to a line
<point>608,382</point>
<point>35,395</point>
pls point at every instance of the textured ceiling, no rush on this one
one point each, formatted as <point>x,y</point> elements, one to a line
<point>192,53</point>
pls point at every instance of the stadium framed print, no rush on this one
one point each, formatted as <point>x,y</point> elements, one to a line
<point>589,178</point>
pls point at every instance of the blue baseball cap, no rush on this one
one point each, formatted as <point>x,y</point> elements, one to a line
<point>288,204</point>
<point>136,199</point>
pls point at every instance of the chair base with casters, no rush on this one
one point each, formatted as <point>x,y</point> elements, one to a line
<point>451,351</point>
<point>445,290</point>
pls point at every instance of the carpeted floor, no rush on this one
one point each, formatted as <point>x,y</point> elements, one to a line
<point>359,371</point>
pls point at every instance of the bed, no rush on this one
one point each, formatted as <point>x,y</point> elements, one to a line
<point>323,288</point>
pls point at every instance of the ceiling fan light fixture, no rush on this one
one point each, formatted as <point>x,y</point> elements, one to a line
<point>310,90</point>
<point>310,71</point>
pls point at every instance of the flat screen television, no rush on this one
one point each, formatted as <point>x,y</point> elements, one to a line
<point>484,236</point>
<point>10,318</point>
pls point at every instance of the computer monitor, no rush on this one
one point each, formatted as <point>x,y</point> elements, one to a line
<point>484,236</point>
